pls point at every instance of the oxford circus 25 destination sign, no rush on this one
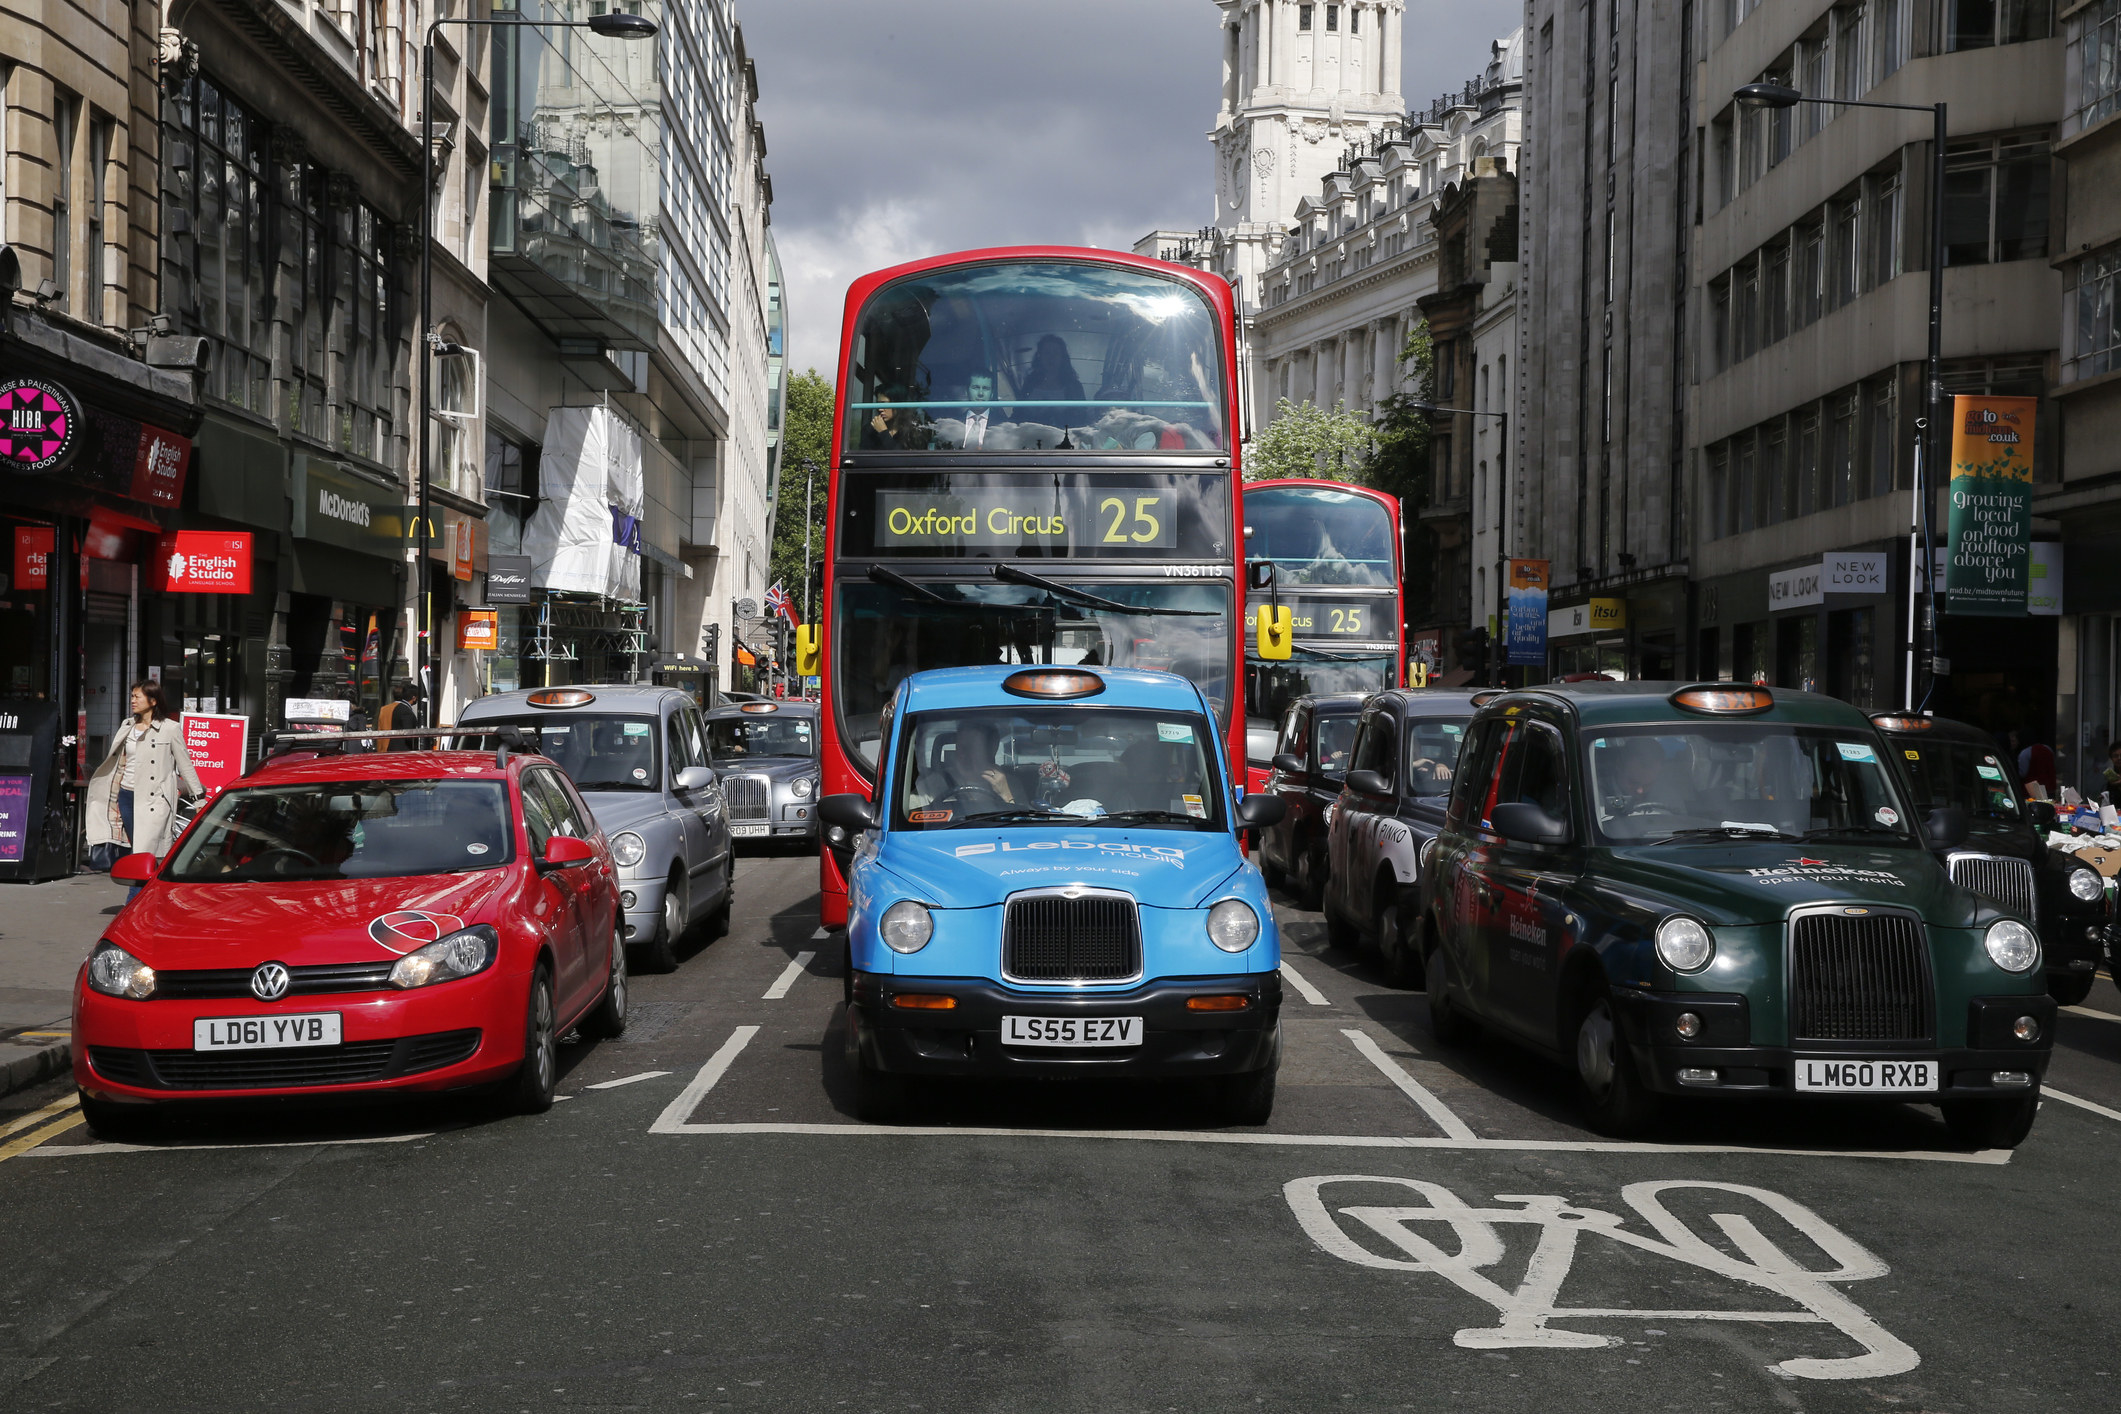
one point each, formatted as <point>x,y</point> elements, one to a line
<point>40,426</point>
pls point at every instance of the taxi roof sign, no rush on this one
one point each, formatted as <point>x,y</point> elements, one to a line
<point>1901,722</point>
<point>758,707</point>
<point>1053,682</point>
<point>561,697</point>
<point>1724,698</point>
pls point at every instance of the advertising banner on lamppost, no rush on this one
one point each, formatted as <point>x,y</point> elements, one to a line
<point>1989,542</point>
<point>1528,613</point>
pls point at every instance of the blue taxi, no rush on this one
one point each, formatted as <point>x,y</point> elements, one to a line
<point>1048,884</point>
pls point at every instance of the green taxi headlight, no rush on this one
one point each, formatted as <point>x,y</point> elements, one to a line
<point>1232,925</point>
<point>2011,945</point>
<point>2086,886</point>
<point>1684,945</point>
<point>907,926</point>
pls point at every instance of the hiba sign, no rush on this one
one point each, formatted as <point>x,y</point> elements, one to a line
<point>1989,546</point>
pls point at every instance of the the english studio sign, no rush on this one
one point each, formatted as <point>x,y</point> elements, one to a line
<point>40,426</point>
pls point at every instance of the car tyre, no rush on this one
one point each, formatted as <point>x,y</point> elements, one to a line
<point>538,1078</point>
<point>1310,878</point>
<point>1273,873</point>
<point>120,1123</point>
<point>1447,1019</point>
<point>608,1019</point>
<point>1399,946</point>
<point>1992,1124</point>
<point>1619,1104</point>
<point>2070,988</point>
<point>661,954</point>
<point>879,1096</point>
<point>1247,1098</point>
<point>718,924</point>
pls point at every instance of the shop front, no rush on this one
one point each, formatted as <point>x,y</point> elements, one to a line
<point>95,452</point>
<point>345,602</point>
<point>1825,625</point>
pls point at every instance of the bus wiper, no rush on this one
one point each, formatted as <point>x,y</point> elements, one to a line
<point>1309,652</point>
<point>914,589</point>
<point>1013,575</point>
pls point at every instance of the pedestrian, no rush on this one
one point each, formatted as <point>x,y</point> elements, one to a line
<point>133,795</point>
<point>403,715</point>
<point>2111,777</point>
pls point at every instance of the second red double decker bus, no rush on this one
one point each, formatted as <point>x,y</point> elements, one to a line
<point>1034,461</point>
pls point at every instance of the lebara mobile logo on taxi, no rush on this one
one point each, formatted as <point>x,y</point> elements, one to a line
<point>1167,853</point>
<point>405,929</point>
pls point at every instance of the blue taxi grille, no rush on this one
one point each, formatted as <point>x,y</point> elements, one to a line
<point>1860,977</point>
<point>1056,937</point>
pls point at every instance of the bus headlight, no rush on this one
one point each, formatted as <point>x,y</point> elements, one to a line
<point>1232,925</point>
<point>907,926</point>
<point>2011,945</point>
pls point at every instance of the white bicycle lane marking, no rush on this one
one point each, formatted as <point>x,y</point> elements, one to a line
<point>1524,1313</point>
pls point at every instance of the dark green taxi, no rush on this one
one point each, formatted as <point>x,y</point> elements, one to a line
<point>1721,889</point>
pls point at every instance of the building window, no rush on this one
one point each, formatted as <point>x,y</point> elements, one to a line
<point>218,261</point>
<point>2093,61</point>
<point>1719,492</point>
<point>1995,200</point>
<point>1979,24</point>
<point>1885,229</point>
<point>1303,16</point>
<point>1332,18</point>
<point>1880,461</point>
<point>1848,51</point>
<point>1775,472</point>
<point>1841,449</point>
<point>1889,33</point>
<point>100,264</point>
<point>1354,19</point>
<point>1808,296</point>
<point>1745,316</point>
<point>456,421</point>
<point>1806,479</point>
<point>1775,295</point>
<point>66,118</point>
<point>1842,282</point>
<point>362,342</point>
<point>1745,484</point>
<point>309,373</point>
<point>2095,345</point>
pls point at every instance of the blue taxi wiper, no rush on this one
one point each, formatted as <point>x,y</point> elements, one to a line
<point>1156,816</point>
<point>1004,571</point>
<point>1021,812</point>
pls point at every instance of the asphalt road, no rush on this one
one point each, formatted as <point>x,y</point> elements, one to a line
<point>1417,1228</point>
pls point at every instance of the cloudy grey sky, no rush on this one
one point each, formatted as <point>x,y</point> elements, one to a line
<point>912,127</point>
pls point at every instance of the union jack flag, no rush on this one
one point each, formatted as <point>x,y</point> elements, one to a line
<point>777,600</point>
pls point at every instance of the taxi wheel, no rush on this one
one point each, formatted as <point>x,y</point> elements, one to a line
<point>2071,988</point>
<point>1270,871</point>
<point>609,1017</point>
<point>1340,933</point>
<point>1248,1098</point>
<point>1992,1124</point>
<point>1619,1103</point>
<point>1446,1018</point>
<point>1310,879</point>
<point>121,1124</point>
<point>718,924</point>
<point>532,1091</point>
<point>661,954</point>
<point>879,1096</point>
<point>1399,946</point>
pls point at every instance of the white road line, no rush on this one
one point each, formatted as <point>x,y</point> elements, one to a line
<point>793,970</point>
<point>2089,1011</point>
<point>820,935</point>
<point>2050,1092</point>
<point>625,1080</point>
<point>674,1116</point>
<point>1434,1108</point>
<point>1297,980</point>
<point>1336,1141</point>
<point>77,1150</point>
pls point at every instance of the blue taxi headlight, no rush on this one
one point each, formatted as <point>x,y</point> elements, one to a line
<point>802,788</point>
<point>446,959</point>
<point>1684,945</point>
<point>117,973</point>
<point>628,848</point>
<point>2011,945</point>
<point>907,926</point>
<point>1232,925</point>
<point>2086,886</point>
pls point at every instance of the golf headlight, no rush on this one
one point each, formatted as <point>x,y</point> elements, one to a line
<point>446,959</point>
<point>803,788</point>
<point>117,973</point>
<point>907,926</point>
<point>2086,886</point>
<point>1232,925</point>
<point>2011,945</point>
<point>628,848</point>
<point>1684,945</point>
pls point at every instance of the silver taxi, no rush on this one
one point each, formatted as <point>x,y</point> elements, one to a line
<point>638,755</point>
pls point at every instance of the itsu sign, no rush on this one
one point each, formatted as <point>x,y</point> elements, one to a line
<point>204,562</point>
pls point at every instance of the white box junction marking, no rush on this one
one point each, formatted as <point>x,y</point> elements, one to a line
<point>672,1120</point>
<point>1414,1090</point>
<point>1303,985</point>
<point>793,970</point>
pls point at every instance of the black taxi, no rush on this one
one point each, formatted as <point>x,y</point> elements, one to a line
<point>1724,890</point>
<point>1310,762</point>
<point>2005,857</point>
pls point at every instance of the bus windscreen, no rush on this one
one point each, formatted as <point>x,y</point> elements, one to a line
<point>1317,535</point>
<point>1036,356</point>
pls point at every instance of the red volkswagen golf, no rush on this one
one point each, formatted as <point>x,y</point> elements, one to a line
<point>357,923</point>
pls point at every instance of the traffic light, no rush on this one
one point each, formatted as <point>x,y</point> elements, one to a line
<point>711,642</point>
<point>1473,648</point>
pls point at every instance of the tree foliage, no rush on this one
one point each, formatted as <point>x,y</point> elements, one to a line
<point>1304,440</point>
<point>1400,466</point>
<point>806,455</point>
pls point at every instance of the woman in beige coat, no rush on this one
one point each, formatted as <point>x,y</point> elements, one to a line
<point>132,797</point>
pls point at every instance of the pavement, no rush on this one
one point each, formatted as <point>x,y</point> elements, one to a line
<point>702,1223</point>
<point>45,931</point>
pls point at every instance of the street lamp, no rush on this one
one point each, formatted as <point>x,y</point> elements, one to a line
<point>433,345</point>
<point>1421,407</point>
<point>1927,454</point>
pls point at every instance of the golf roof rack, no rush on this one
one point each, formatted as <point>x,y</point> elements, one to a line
<point>507,738</point>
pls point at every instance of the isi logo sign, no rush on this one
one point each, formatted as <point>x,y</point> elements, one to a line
<point>40,426</point>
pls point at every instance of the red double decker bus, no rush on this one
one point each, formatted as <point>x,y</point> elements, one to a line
<point>1034,461</point>
<point>1331,554</point>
